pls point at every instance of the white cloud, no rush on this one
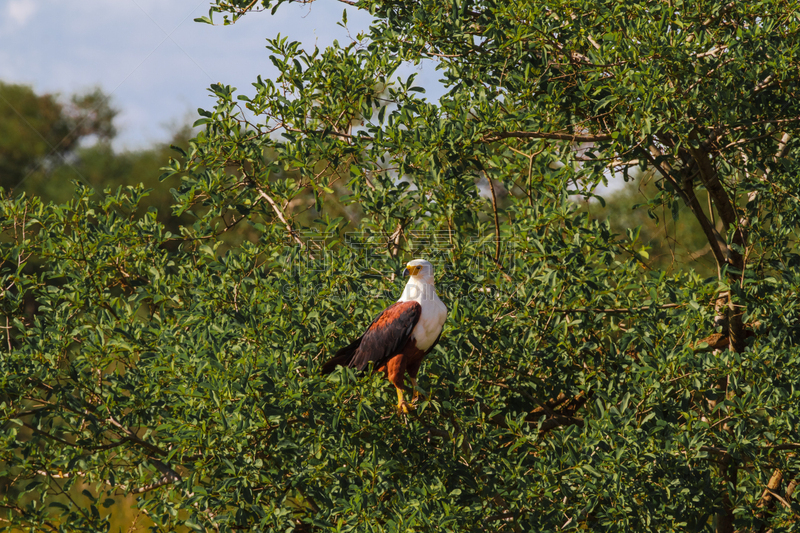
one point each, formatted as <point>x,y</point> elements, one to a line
<point>148,55</point>
<point>20,11</point>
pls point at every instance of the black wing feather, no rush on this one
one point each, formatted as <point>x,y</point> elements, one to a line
<point>342,357</point>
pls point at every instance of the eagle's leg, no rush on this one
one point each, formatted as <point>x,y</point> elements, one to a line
<point>395,369</point>
<point>417,391</point>
<point>413,370</point>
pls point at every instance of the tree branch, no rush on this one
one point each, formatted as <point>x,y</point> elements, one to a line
<point>614,310</point>
<point>559,421</point>
<point>769,492</point>
<point>776,448</point>
<point>395,238</point>
<point>718,244</point>
<point>168,476</point>
<point>496,220</point>
<point>574,137</point>
<point>132,436</point>
<point>280,216</point>
<point>792,486</point>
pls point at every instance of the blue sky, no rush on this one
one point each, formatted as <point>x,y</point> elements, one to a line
<point>149,55</point>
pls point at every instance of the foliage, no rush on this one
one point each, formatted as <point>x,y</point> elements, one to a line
<point>672,239</point>
<point>47,144</point>
<point>571,388</point>
<point>101,166</point>
<point>38,132</point>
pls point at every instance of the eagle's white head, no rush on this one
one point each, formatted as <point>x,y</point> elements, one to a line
<point>419,270</point>
<point>420,283</point>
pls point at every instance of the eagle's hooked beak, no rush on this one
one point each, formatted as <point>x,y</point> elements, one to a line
<point>406,272</point>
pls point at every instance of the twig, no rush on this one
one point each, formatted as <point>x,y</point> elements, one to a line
<point>280,215</point>
<point>777,448</point>
<point>744,141</point>
<point>530,170</point>
<point>8,335</point>
<point>614,310</point>
<point>772,485</point>
<point>131,436</point>
<point>780,499</point>
<point>394,239</point>
<point>169,476</point>
<point>496,220</point>
<point>574,137</point>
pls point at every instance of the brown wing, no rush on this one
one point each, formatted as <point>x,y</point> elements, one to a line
<point>387,335</point>
<point>384,338</point>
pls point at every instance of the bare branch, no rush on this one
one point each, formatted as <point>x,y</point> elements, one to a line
<point>772,485</point>
<point>573,137</point>
<point>394,240</point>
<point>496,220</point>
<point>169,476</point>
<point>280,216</point>
<point>776,448</point>
<point>780,499</point>
<point>718,244</point>
<point>744,141</point>
<point>614,310</point>
<point>713,52</point>
<point>132,436</point>
<point>792,486</point>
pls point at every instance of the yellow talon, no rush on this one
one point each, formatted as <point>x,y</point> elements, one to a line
<point>403,407</point>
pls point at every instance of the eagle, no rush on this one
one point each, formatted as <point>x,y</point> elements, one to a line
<point>401,336</point>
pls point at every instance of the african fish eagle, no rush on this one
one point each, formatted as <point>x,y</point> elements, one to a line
<point>401,335</point>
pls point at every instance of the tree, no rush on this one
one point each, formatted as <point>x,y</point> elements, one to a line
<point>572,387</point>
<point>47,144</point>
<point>101,166</point>
<point>38,132</point>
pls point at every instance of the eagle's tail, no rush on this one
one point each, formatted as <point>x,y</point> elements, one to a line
<point>342,357</point>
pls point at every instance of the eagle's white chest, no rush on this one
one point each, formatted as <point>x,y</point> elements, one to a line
<point>433,313</point>
<point>430,323</point>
